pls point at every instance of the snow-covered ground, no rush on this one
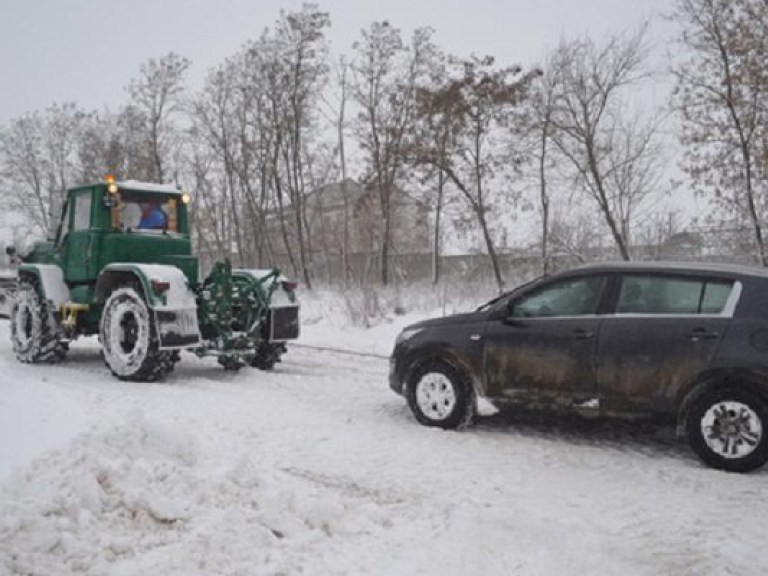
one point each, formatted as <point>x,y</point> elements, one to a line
<point>317,468</point>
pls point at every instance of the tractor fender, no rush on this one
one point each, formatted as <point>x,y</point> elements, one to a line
<point>50,282</point>
<point>167,294</point>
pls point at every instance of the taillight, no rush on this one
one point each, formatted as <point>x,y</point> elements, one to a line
<point>160,286</point>
<point>289,286</point>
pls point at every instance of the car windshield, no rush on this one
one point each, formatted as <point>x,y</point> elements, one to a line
<point>494,300</point>
<point>148,211</point>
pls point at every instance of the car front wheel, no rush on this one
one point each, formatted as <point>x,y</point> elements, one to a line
<point>441,395</point>
<point>728,429</point>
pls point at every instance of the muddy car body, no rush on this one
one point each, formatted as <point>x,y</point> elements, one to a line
<point>684,344</point>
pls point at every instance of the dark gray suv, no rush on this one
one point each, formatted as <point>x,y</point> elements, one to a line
<point>685,344</point>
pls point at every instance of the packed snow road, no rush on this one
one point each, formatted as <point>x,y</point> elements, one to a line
<point>317,468</point>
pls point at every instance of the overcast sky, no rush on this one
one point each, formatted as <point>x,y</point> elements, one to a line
<point>54,51</point>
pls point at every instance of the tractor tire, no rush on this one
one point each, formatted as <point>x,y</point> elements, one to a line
<point>129,338</point>
<point>267,355</point>
<point>170,358</point>
<point>35,332</point>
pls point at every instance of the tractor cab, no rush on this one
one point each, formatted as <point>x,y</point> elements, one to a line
<point>123,222</point>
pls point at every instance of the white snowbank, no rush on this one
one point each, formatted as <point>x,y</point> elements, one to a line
<point>317,468</point>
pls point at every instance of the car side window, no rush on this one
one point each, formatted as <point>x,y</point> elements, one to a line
<point>669,295</point>
<point>715,297</point>
<point>572,297</point>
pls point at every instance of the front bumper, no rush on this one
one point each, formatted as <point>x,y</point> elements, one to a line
<point>396,371</point>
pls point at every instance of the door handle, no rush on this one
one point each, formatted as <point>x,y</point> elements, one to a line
<point>580,334</point>
<point>702,334</point>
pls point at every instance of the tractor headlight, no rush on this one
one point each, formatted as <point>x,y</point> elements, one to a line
<point>111,184</point>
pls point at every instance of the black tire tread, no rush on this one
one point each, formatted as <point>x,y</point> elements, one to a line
<point>465,408</point>
<point>50,348</point>
<point>156,363</point>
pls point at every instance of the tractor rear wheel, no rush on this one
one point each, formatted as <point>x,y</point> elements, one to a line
<point>129,337</point>
<point>35,332</point>
<point>267,355</point>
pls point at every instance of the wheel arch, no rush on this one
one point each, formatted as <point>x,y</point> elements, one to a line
<point>49,281</point>
<point>418,358</point>
<point>115,275</point>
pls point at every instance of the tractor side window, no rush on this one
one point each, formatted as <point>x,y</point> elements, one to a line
<point>63,225</point>
<point>82,212</point>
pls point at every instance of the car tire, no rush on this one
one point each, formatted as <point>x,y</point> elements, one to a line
<point>728,429</point>
<point>441,395</point>
<point>129,338</point>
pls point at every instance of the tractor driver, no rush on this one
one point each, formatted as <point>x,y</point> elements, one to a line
<point>152,216</point>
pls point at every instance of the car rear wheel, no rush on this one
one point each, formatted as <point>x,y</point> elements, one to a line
<point>441,395</point>
<point>728,429</point>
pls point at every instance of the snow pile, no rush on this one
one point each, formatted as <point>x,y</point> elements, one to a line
<point>141,498</point>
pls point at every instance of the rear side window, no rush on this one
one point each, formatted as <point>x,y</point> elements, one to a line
<point>670,295</point>
<point>715,296</point>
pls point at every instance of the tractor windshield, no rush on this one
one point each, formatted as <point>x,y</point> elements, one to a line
<point>148,211</point>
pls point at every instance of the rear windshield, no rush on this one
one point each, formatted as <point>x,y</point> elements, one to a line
<point>146,211</point>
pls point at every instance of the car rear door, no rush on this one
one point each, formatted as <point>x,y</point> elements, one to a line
<point>665,330</point>
<point>543,352</point>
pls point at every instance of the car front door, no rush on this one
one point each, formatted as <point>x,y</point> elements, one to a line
<point>666,329</point>
<point>542,352</point>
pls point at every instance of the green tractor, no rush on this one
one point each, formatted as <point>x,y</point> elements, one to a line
<point>121,266</point>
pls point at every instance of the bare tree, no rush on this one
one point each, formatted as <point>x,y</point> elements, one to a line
<point>39,161</point>
<point>544,102</point>
<point>613,153</point>
<point>477,108</point>
<point>433,129</point>
<point>335,112</point>
<point>722,90</point>
<point>157,93</point>
<point>386,75</point>
<point>24,171</point>
<point>215,117</point>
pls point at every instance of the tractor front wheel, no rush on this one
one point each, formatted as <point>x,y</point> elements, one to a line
<point>129,337</point>
<point>35,332</point>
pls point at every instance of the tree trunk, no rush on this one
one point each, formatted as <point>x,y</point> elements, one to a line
<point>436,236</point>
<point>491,251</point>
<point>544,199</point>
